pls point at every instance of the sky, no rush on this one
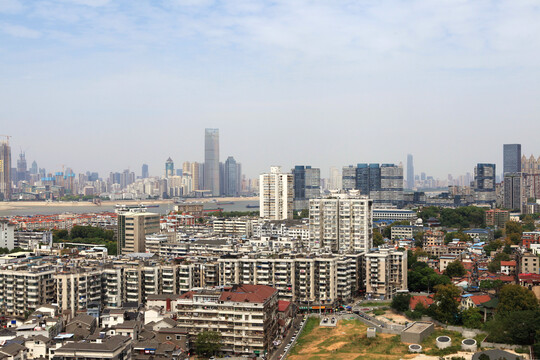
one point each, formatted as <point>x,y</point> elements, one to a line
<point>105,85</point>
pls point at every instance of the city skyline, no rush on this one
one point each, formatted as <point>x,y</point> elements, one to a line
<point>261,72</point>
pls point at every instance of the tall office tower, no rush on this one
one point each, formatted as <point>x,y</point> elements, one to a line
<point>410,172</point>
<point>230,177</point>
<point>211,161</point>
<point>335,179</point>
<point>348,178</point>
<point>307,185</point>
<point>169,168</point>
<point>201,176</point>
<point>34,168</point>
<point>221,178</point>
<point>513,195</point>
<point>530,165</point>
<point>341,222</point>
<point>144,171</point>
<point>484,184</point>
<point>383,184</point>
<point>21,167</point>
<point>134,223</point>
<point>5,170</point>
<point>276,195</point>
<point>512,158</point>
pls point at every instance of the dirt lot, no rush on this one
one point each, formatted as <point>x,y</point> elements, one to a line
<point>348,341</point>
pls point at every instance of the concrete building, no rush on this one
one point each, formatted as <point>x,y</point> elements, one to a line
<point>497,217</point>
<point>513,194</point>
<point>7,234</point>
<point>78,288</point>
<point>410,172</point>
<point>245,315</point>
<point>211,161</point>
<point>5,170</point>
<point>386,273</point>
<point>231,177</point>
<point>23,287</point>
<point>341,222</point>
<point>528,264</point>
<point>484,184</point>
<point>116,347</point>
<point>276,195</point>
<point>133,226</point>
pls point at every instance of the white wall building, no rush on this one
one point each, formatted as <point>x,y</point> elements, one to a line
<point>276,195</point>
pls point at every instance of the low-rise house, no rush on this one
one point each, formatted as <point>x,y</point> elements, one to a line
<point>81,326</point>
<point>37,346</point>
<point>113,348</point>
<point>508,267</point>
<point>470,300</point>
<point>13,352</point>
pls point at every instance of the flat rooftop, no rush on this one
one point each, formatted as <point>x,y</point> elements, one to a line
<point>418,327</point>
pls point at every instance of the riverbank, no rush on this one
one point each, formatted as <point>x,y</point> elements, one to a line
<point>17,205</point>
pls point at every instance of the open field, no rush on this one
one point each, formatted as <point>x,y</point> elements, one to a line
<point>346,341</point>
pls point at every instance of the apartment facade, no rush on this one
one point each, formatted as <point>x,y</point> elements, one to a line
<point>341,222</point>
<point>244,315</point>
<point>133,228</point>
<point>386,273</point>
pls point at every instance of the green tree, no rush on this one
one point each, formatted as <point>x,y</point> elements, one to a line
<point>460,235</point>
<point>208,343</point>
<point>516,298</point>
<point>455,269</point>
<point>491,285</point>
<point>513,231</point>
<point>497,234</point>
<point>60,234</point>
<point>377,238</point>
<point>445,305</point>
<point>400,302</point>
<point>419,239</point>
<point>472,318</point>
<point>423,278</point>
<point>528,223</point>
<point>493,246</point>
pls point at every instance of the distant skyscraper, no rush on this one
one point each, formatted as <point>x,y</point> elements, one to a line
<point>21,167</point>
<point>169,168</point>
<point>144,173</point>
<point>410,172</point>
<point>383,184</point>
<point>484,184</point>
<point>230,177</point>
<point>34,169</point>
<point>5,170</point>
<point>512,158</point>
<point>307,185</point>
<point>335,179</point>
<point>211,161</point>
<point>276,195</point>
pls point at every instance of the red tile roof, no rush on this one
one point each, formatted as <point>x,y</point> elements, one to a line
<point>283,305</point>
<point>480,299</point>
<point>416,299</point>
<point>508,263</point>
<point>248,293</point>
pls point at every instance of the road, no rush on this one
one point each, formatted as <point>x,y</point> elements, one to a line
<point>280,350</point>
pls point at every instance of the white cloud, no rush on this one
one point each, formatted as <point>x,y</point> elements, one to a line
<point>20,31</point>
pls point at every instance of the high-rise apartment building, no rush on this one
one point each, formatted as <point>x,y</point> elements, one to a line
<point>307,185</point>
<point>513,191</point>
<point>231,177</point>
<point>21,168</point>
<point>276,195</point>
<point>169,168</point>
<point>5,170</point>
<point>410,172</point>
<point>531,165</point>
<point>211,161</point>
<point>512,158</point>
<point>133,226</point>
<point>341,222</point>
<point>386,273</point>
<point>335,179</point>
<point>484,184</point>
<point>144,171</point>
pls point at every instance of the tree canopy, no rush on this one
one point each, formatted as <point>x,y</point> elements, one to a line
<point>445,305</point>
<point>400,302</point>
<point>455,269</point>
<point>495,264</point>
<point>208,343</point>
<point>423,278</point>
<point>513,231</point>
<point>516,298</point>
<point>461,217</point>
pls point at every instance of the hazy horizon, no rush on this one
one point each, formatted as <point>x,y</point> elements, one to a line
<point>104,85</point>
